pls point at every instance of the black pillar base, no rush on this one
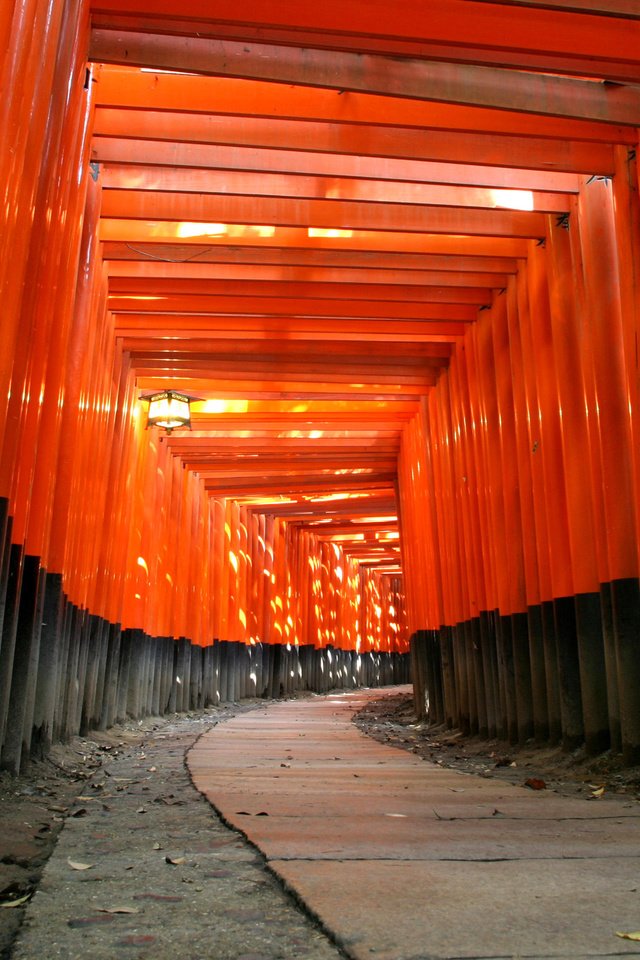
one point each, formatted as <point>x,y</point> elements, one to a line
<point>625,604</point>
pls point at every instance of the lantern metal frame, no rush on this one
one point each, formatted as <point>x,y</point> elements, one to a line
<point>169,420</point>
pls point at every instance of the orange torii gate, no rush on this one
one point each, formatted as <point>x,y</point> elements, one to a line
<point>394,253</point>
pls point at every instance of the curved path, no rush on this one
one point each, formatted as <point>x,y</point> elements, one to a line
<point>401,859</point>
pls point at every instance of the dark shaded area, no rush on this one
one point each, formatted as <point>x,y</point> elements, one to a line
<point>566,672</point>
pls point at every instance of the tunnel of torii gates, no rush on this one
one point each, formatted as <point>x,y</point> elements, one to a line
<point>393,249</point>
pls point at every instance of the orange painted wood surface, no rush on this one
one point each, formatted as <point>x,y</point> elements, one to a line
<point>409,312</point>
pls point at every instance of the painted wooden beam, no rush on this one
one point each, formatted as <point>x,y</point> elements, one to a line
<point>351,139</point>
<point>184,256</point>
<point>138,152</point>
<point>321,277</point>
<point>465,84</point>
<point>121,176</point>
<point>203,237</point>
<point>567,61</point>
<point>382,293</point>
<point>193,209</point>
<point>131,88</point>
<point>467,24</point>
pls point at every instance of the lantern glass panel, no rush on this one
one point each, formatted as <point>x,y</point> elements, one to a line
<point>169,410</point>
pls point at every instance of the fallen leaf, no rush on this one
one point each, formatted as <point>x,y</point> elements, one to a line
<point>56,809</point>
<point>629,936</point>
<point>152,769</point>
<point>597,793</point>
<point>157,846</point>
<point>76,865</point>
<point>175,861</point>
<point>285,764</point>
<point>396,815</point>
<point>534,783</point>
<point>8,904</point>
<point>263,813</point>
<point>81,812</point>
<point>141,810</point>
<point>12,891</point>
<point>118,910</point>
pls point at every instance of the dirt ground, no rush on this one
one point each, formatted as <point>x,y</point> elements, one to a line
<point>35,805</point>
<point>77,779</point>
<point>144,868</point>
<point>392,720</point>
<point>33,808</point>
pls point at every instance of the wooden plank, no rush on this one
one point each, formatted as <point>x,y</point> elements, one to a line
<point>467,84</point>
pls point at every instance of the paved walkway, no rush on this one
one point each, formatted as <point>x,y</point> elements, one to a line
<point>401,859</point>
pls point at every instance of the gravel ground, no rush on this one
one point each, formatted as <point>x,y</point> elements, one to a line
<point>143,867</point>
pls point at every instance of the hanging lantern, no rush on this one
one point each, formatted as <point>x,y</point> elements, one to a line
<point>168,409</point>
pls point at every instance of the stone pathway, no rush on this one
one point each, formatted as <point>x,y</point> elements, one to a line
<point>401,859</point>
<point>144,869</point>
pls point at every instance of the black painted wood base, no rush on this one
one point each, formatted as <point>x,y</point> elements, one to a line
<point>566,671</point>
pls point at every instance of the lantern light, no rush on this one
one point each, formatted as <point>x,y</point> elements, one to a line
<point>168,409</point>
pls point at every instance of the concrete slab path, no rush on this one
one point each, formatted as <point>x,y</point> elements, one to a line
<point>401,859</point>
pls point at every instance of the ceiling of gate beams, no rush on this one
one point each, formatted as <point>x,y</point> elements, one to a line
<point>305,205</point>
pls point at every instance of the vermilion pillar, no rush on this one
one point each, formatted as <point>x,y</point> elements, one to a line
<point>612,419</point>
<point>531,433</point>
